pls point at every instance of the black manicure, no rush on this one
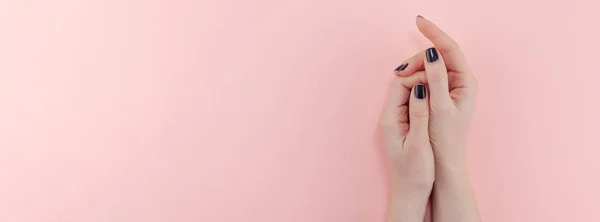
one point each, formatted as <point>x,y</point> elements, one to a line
<point>401,67</point>
<point>432,55</point>
<point>420,91</point>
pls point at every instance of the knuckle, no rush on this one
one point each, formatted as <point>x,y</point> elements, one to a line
<point>419,114</point>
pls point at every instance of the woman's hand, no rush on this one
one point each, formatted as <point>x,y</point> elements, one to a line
<point>405,126</point>
<point>453,89</point>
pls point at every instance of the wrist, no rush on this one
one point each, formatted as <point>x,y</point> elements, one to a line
<point>451,172</point>
<point>452,160</point>
<point>410,194</point>
<point>405,192</point>
<point>408,206</point>
<point>400,186</point>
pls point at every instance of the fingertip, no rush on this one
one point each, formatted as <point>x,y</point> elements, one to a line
<point>418,97</point>
<point>431,31</point>
<point>432,55</point>
<point>421,21</point>
<point>419,17</point>
<point>400,67</point>
<point>411,65</point>
<point>419,91</point>
<point>418,110</point>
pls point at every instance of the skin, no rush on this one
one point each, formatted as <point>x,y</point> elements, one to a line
<point>427,153</point>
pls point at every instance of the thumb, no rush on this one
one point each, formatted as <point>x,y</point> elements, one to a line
<point>418,115</point>
<point>437,78</point>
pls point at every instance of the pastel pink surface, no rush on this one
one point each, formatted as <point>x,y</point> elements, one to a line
<point>267,110</point>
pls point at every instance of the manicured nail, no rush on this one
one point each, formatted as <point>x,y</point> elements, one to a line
<point>420,92</point>
<point>401,67</point>
<point>432,55</point>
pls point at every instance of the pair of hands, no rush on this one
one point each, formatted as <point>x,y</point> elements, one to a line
<point>424,128</point>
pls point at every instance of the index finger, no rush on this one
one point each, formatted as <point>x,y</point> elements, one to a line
<point>453,56</point>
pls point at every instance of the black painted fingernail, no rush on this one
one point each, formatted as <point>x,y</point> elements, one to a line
<point>401,67</point>
<point>432,55</point>
<point>420,91</point>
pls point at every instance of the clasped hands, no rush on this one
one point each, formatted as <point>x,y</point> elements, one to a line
<point>424,125</point>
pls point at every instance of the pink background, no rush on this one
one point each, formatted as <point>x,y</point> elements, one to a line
<point>156,110</point>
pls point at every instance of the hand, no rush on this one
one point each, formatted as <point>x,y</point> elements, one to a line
<point>405,122</point>
<point>453,89</point>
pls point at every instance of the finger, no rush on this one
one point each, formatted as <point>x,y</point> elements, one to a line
<point>409,82</point>
<point>449,49</point>
<point>460,77</point>
<point>437,78</point>
<point>394,120</point>
<point>411,65</point>
<point>418,115</point>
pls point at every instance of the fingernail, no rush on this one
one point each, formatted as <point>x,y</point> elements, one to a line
<point>420,92</point>
<point>419,16</point>
<point>401,67</point>
<point>432,55</point>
